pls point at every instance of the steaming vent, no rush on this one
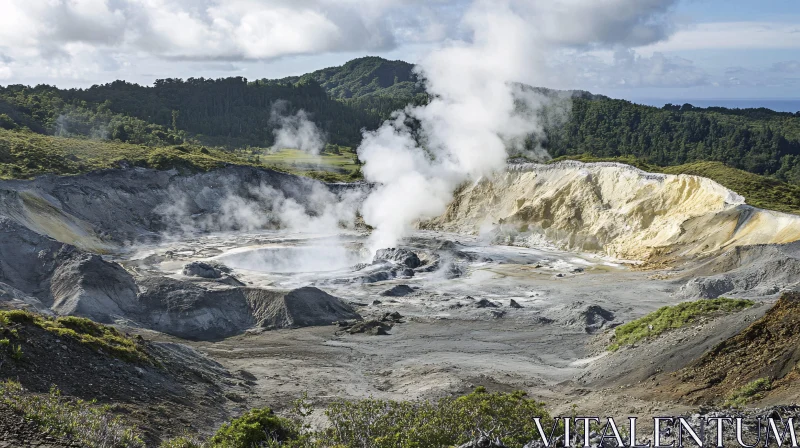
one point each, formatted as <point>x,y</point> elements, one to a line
<point>291,259</point>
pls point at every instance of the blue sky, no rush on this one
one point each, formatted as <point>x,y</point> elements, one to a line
<point>689,48</point>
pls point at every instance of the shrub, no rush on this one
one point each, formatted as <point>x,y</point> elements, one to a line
<point>670,317</point>
<point>753,390</point>
<point>450,421</point>
<point>183,442</point>
<point>258,427</point>
<point>85,422</point>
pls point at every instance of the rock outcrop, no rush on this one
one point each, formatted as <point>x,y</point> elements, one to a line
<point>613,209</point>
<point>301,307</point>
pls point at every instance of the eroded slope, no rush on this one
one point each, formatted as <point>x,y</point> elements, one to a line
<point>615,209</point>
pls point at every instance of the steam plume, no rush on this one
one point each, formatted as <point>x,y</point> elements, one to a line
<point>475,115</point>
<point>295,131</point>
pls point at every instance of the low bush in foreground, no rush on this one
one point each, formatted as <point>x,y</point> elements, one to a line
<point>671,317</point>
<point>447,422</point>
<point>376,423</point>
<point>258,427</point>
<point>753,390</point>
<point>85,422</point>
<point>80,329</point>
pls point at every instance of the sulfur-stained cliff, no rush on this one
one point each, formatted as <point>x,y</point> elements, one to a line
<point>613,209</point>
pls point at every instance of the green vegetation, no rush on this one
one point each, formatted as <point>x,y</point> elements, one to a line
<point>25,154</point>
<point>447,422</point>
<point>375,423</point>
<point>334,164</point>
<point>186,441</point>
<point>759,141</point>
<point>258,426</point>
<point>671,317</point>
<point>367,76</point>
<point>82,330</point>
<point>759,191</point>
<point>85,422</point>
<point>753,390</point>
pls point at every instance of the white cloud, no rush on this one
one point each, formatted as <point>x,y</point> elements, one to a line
<point>730,35</point>
<point>602,22</point>
<point>204,29</point>
<point>588,42</point>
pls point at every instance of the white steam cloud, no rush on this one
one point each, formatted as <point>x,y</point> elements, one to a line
<point>476,114</point>
<point>261,207</point>
<point>295,131</point>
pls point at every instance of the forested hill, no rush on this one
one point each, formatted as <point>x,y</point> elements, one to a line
<point>367,76</point>
<point>236,113</point>
<point>760,141</point>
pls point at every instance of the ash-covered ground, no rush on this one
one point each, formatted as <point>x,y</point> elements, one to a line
<point>473,313</point>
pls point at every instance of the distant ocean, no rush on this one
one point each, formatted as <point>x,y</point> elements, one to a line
<point>779,105</point>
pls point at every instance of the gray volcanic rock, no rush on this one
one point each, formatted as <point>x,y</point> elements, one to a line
<point>303,307</point>
<point>483,303</point>
<point>206,269</point>
<point>378,276</point>
<point>398,256</point>
<point>595,317</point>
<point>192,311</point>
<point>27,259</point>
<point>747,271</point>
<point>114,206</point>
<point>398,291</point>
<point>86,285</point>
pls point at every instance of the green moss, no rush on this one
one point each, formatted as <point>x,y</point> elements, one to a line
<point>753,390</point>
<point>671,317</point>
<point>82,330</point>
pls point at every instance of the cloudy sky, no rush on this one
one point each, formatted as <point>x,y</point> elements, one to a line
<point>624,48</point>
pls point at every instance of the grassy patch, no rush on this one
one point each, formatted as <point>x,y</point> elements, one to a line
<point>670,317</point>
<point>25,154</point>
<point>753,390</point>
<point>759,191</point>
<point>83,330</point>
<point>89,424</point>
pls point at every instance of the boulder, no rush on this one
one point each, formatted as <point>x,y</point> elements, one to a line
<point>206,269</point>
<point>371,327</point>
<point>483,303</point>
<point>398,291</point>
<point>397,256</point>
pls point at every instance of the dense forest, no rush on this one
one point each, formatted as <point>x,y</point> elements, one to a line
<point>760,141</point>
<point>235,113</point>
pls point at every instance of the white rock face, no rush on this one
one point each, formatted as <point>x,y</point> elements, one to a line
<point>613,209</point>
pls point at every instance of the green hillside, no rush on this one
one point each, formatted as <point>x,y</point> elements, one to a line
<point>234,116</point>
<point>365,76</point>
